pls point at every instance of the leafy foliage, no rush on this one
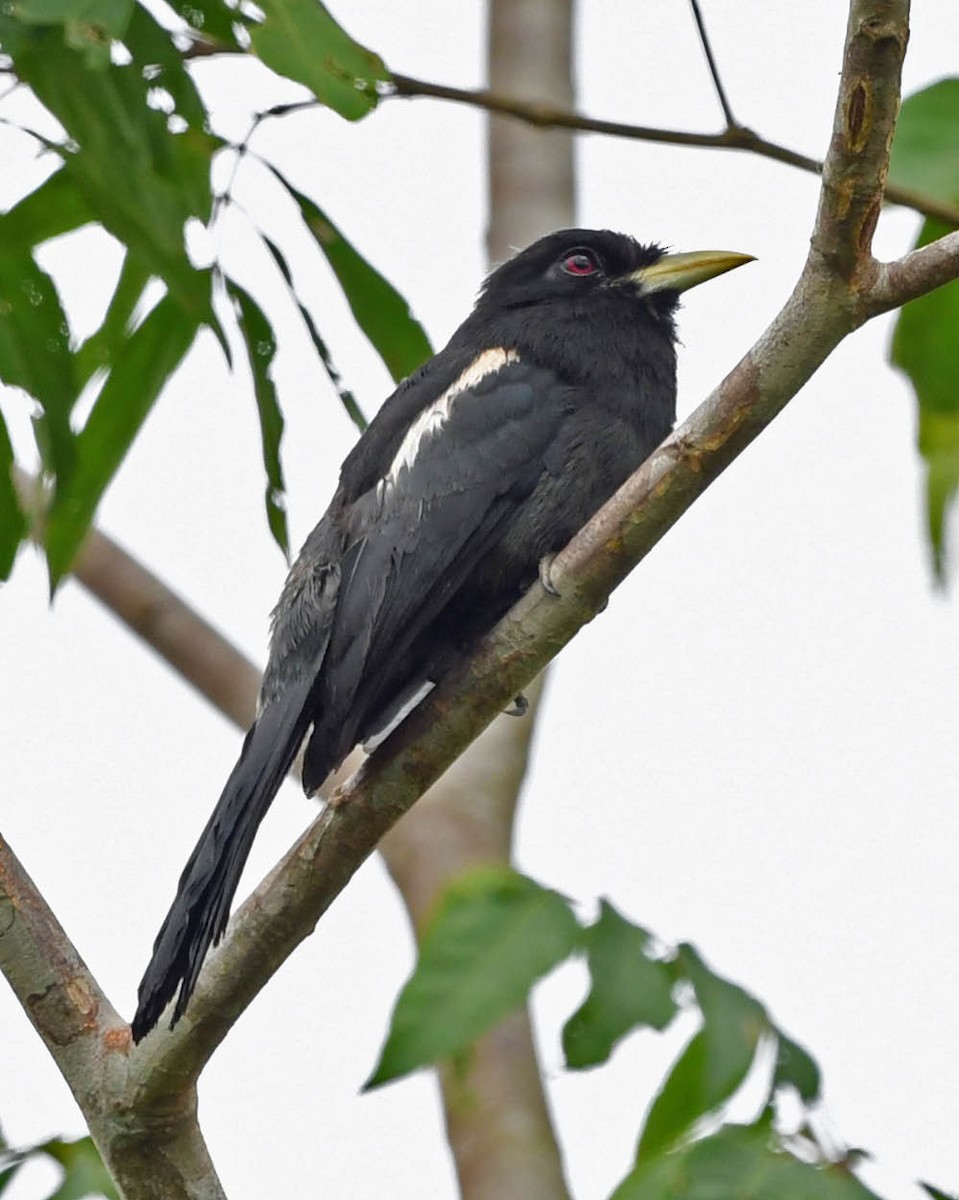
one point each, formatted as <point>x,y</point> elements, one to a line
<point>925,155</point>
<point>496,933</point>
<point>136,158</point>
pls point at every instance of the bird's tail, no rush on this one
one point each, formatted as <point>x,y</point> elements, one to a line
<point>201,909</point>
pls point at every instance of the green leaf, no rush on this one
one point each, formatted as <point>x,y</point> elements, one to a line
<point>797,1068</point>
<point>299,39</point>
<point>347,398</point>
<point>629,990</point>
<point>261,349</point>
<point>714,1063</point>
<point>101,348</point>
<point>925,156</point>
<point>379,309</point>
<point>737,1163</point>
<point>87,26</point>
<point>140,370</point>
<point>937,1193</point>
<point>31,315</point>
<point>13,524</point>
<point>9,1167</point>
<point>494,934</point>
<point>163,65</point>
<point>925,347</point>
<point>54,208</point>
<point>35,351</point>
<point>925,151</point>
<point>142,182</point>
<point>109,17</point>
<point>215,21</point>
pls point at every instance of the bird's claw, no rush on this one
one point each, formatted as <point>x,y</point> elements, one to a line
<point>545,574</point>
<point>519,707</point>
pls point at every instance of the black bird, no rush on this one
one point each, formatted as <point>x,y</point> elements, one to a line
<point>480,465</point>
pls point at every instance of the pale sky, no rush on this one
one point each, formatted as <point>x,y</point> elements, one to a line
<point>753,749</point>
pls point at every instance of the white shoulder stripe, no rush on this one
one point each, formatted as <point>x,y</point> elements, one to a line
<point>432,419</point>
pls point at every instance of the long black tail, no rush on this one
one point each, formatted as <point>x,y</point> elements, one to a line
<point>199,914</point>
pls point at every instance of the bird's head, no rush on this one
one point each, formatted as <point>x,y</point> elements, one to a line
<point>591,304</point>
<point>579,264</point>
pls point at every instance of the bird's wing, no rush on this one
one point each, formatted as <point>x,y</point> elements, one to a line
<point>373,575</point>
<point>456,481</point>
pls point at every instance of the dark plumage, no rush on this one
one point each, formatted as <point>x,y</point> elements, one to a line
<point>488,458</point>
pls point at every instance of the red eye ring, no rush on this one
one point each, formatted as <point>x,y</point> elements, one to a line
<point>579,262</point>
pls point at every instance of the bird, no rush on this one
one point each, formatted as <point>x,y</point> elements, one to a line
<point>479,467</point>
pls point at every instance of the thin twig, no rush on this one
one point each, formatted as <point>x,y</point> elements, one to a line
<point>731,122</point>
<point>738,137</point>
<point>548,116</point>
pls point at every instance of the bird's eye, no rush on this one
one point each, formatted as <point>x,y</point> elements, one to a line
<point>580,262</point>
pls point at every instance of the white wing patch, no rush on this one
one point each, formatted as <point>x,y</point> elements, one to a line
<point>432,419</point>
<point>395,719</point>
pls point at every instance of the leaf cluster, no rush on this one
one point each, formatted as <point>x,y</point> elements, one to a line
<point>136,158</point>
<point>496,933</point>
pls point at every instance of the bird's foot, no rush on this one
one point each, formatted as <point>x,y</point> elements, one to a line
<point>545,574</point>
<point>519,707</point>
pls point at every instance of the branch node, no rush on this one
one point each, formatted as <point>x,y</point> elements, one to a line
<point>858,116</point>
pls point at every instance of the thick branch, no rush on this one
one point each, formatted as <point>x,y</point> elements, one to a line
<point>53,984</point>
<point>854,173</point>
<point>89,1042</point>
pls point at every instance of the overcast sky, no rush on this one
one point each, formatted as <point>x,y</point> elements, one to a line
<point>752,749</point>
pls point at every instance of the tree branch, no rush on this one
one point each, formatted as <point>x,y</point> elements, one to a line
<point>736,137</point>
<point>53,984</point>
<point>89,1042</point>
<point>731,122</point>
<point>917,273</point>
